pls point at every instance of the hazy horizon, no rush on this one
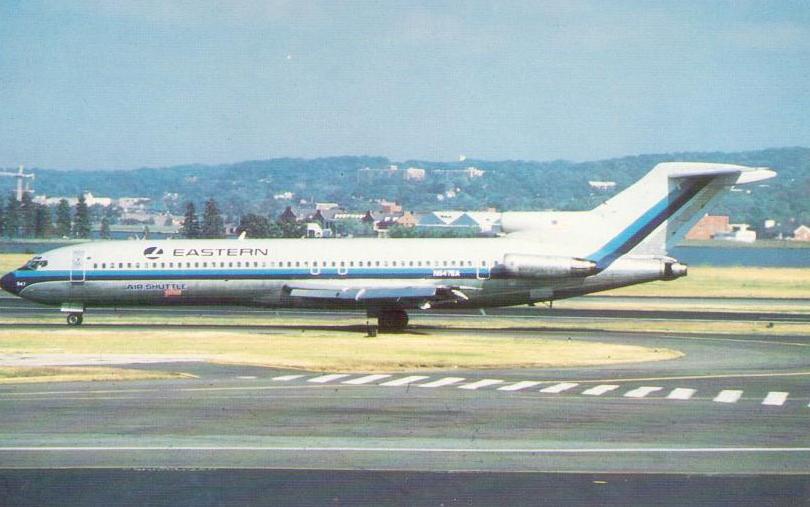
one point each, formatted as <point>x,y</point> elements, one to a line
<point>89,84</point>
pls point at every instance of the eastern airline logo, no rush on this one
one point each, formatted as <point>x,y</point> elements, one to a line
<point>153,252</point>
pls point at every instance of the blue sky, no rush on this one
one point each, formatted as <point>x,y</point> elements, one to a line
<point>123,84</point>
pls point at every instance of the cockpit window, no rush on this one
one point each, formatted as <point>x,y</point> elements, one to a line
<point>34,264</point>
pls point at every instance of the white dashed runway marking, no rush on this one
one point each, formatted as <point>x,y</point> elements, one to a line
<point>600,389</point>
<point>481,383</point>
<point>773,398</point>
<point>681,393</point>
<point>776,398</point>
<point>405,380</point>
<point>728,396</point>
<point>446,381</point>
<point>517,386</point>
<point>328,378</point>
<point>368,379</point>
<point>558,388</point>
<point>641,392</point>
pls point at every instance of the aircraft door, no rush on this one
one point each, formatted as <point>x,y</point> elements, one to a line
<point>314,269</point>
<point>77,271</point>
<point>482,271</point>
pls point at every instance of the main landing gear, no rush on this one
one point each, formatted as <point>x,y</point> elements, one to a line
<point>75,319</point>
<point>392,321</point>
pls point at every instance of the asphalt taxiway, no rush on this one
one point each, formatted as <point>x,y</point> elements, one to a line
<point>733,407</point>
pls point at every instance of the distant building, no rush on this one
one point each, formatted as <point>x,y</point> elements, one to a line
<point>323,206</point>
<point>388,207</point>
<point>288,215</point>
<point>133,203</point>
<point>414,174</point>
<point>408,220</point>
<point>801,233</point>
<point>708,226</point>
<point>89,198</point>
<point>484,222</point>
<point>739,232</point>
<point>474,172</point>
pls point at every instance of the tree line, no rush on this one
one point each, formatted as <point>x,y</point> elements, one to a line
<point>27,219</point>
<point>253,225</point>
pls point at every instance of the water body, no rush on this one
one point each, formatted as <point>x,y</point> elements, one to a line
<point>743,256</point>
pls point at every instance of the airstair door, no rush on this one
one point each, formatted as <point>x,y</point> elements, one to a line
<point>77,272</point>
<point>482,271</point>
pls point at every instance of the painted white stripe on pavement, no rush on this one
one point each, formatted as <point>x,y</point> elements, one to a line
<point>681,393</point>
<point>481,383</point>
<point>366,380</point>
<point>600,389</point>
<point>246,377</point>
<point>729,396</point>
<point>776,398</point>
<point>284,378</point>
<point>404,380</point>
<point>517,386</point>
<point>446,381</point>
<point>558,388</point>
<point>328,378</point>
<point>540,450</point>
<point>641,392</point>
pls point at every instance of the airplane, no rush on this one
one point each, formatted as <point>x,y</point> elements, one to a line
<point>543,256</point>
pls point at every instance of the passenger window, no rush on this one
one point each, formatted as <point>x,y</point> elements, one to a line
<point>162,265</point>
<point>394,263</point>
<point>137,265</point>
<point>129,265</point>
<point>297,264</point>
<point>95,266</point>
<point>351,264</point>
<point>103,265</point>
<point>483,263</point>
<point>333,264</point>
<point>360,263</point>
<point>377,263</point>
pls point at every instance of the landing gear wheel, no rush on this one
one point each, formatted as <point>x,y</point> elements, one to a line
<point>392,321</point>
<point>75,319</point>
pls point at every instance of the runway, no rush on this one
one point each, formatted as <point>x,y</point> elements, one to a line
<point>734,404</point>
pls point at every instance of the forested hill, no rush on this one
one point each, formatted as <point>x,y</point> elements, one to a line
<point>507,185</point>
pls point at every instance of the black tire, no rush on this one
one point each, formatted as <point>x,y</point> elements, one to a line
<point>392,321</point>
<point>75,319</point>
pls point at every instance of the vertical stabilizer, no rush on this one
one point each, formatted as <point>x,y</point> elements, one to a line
<point>652,215</point>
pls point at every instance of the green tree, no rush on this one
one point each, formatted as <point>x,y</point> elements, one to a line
<point>255,226</point>
<point>191,226</point>
<point>81,222</point>
<point>104,231</point>
<point>292,229</point>
<point>27,215</point>
<point>212,225</point>
<point>63,219</point>
<point>42,221</point>
<point>2,218</point>
<point>12,217</point>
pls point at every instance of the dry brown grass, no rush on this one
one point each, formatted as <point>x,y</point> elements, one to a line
<point>334,351</point>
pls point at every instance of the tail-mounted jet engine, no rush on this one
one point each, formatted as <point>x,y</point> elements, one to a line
<point>546,266</point>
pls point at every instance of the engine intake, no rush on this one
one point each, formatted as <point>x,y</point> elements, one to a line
<point>547,266</point>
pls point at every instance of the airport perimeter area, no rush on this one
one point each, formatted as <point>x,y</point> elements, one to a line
<point>623,391</point>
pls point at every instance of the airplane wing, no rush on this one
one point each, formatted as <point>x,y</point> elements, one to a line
<point>417,295</point>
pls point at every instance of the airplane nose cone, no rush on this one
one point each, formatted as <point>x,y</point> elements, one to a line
<point>8,283</point>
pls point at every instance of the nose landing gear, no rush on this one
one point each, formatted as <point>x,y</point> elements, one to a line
<point>75,319</point>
